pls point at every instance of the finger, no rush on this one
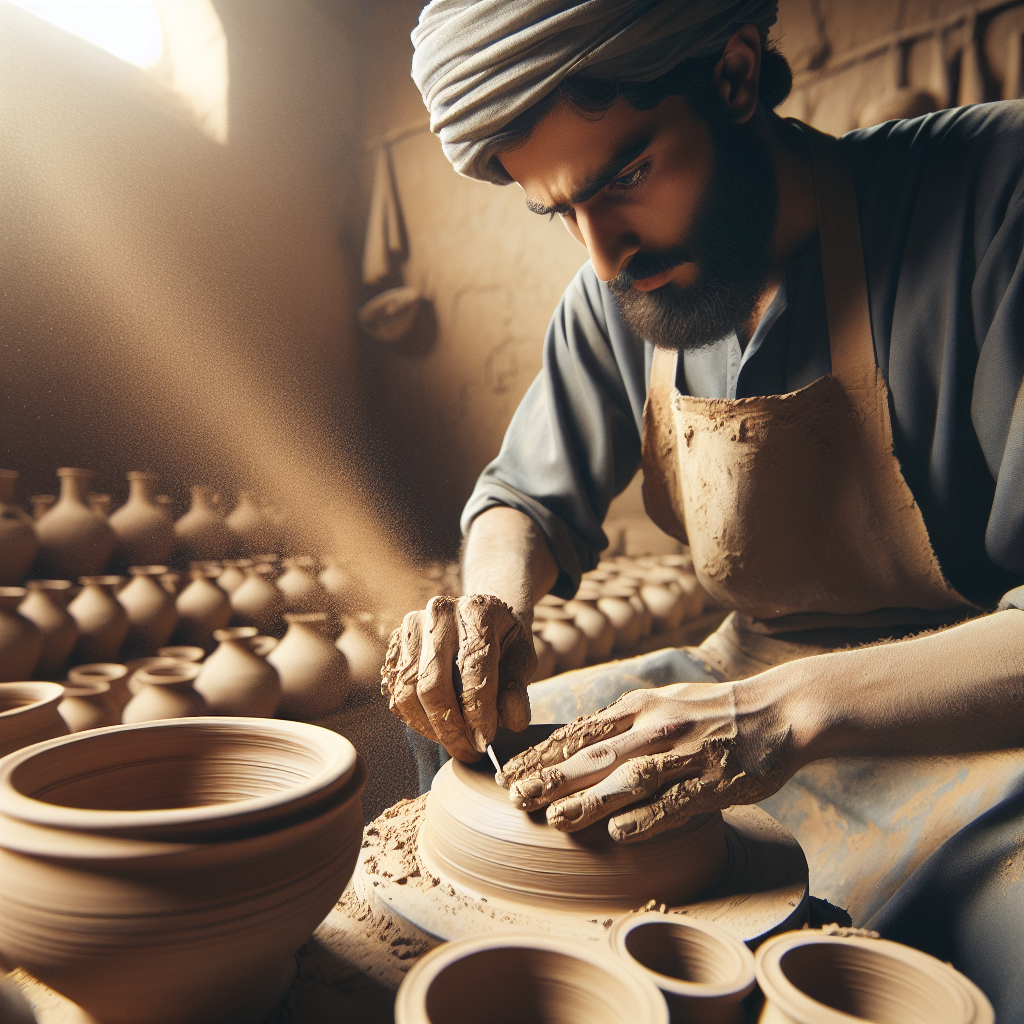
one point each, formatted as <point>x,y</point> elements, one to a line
<point>483,624</point>
<point>514,704</point>
<point>436,692</point>
<point>518,665</point>
<point>401,673</point>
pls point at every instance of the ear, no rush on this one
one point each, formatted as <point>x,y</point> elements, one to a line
<point>738,72</point>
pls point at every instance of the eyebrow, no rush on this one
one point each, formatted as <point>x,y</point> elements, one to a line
<point>605,176</point>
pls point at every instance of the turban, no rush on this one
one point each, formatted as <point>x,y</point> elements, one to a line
<point>480,63</point>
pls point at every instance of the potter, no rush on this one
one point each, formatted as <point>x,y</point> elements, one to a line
<point>808,350</point>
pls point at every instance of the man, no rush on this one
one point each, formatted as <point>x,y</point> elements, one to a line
<point>766,317</point>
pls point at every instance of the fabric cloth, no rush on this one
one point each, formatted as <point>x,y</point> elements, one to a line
<point>941,202</point>
<point>480,63</point>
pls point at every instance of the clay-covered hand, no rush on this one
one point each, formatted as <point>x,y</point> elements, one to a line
<point>493,653</point>
<point>665,754</point>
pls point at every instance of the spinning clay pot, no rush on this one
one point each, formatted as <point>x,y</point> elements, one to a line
<point>201,533</point>
<point>18,541</point>
<point>28,714</point>
<point>88,706</point>
<point>164,691</point>
<point>152,612</point>
<point>111,673</point>
<point>46,606</point>
<point>73,540</point>
<point>143,527</point>
<point>313,672</point>
<point>21,642</point>
<point>202,609</point>
<point>235,680</point>
<point>166,873</point>
<point>102,622</point>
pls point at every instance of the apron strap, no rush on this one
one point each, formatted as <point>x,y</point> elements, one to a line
<point>663,370</point>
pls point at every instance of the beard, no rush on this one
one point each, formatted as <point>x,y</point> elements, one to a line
<point>730,243</point>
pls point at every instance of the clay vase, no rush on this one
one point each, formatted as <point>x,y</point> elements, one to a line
<point>703,971</point>
<point>313,672</point>
<point>201,532</point>
<point>814,977</point>
<point>18,541</point>
<point>46,606</point>
<point>102,622</point>
<point>21,642</point>
<point>545,659</point>
<point>255,532</point>
<point>258,602</point>
<point>152,613</point>
<point>167,872</point>
<point>236,681</point>
<point>41,504</point>
<point>88,706</point>
<point>519,976</point>
<point>111,673</point>
<point>202,609</point>
<point>28,714</point>
<point>364,651</point>
<point>144,529</point>
<point>303,592</point>
<point>182,653</point>
<point>73,540</point>
<point>594,625</point>
<point>232,576</point>
<point>165,691</point>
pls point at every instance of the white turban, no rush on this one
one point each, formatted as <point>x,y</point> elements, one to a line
<point>481,63</point>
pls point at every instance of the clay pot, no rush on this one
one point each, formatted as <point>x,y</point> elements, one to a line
<point>303,592</point>
<point>111,673</point>
<point>88,706</point>
<point>137,665</point>
<point>144,529</point>
<point>257,602</point>
<point>313,672</point>
<point>236,681</point>
<point>255,532</point>
<point>46,606</point>
<point>262,645</point>
<point>364,651</point>
<point>28,714</point>
<point>340,585</point>
<point>545,659</point>
<point>100,503</point>
<point>594,625</point>
<point>201,533</point>
<point>21,642</point>
<point>232,575</point>
<point>73,540</point>
<point>666,603</point>
<point>152,614</point>
<point>518,976</point>
<point>167,872</point>
<point>165,691</point>
<point>182,653</point>
<point>812,977</point>
<point>567,642</point>
<point>41,504</point>
<point>174,582</point>
<point>624,619</point>
<point>102,622</point>
<point>703,971</point>
<point>18,541</point>
<point>202,609</point>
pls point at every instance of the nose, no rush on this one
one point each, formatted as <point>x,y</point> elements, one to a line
<point>609,243</point>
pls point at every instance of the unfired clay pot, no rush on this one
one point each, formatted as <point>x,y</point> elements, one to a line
<point>88,706</point>
<point>165,873</point>
<point>28,714</point>
<point>236,681</point>
<point>18,541</point>
<point>517,977</point>
<point>623,617</point>
<point>666,602</point>
<point>201,533</point>
<point>21,642</point>
<point>182,653</point>
<point>102,622</point>
<point>41,504</point>
<point>73,540</point>
<point>303,592</point>
<point>152,613</point>
<point>202,609</point>
<point>111,673</point>
<point>46,606</point>
<point>100,503</point>
<point>565,639</point>
<point>143,527</point>
<point>813,977</point>
<point>313,672</point>
<point>258,602</point>
<point>595,626</point>
<point>232,575</point>
<point>340,585</point>
<point>262,645</point>
<point>254,530</point>
<point>545,659</point>
<point>703,971</point>
<point>164,691</point>
<point>364,651</point>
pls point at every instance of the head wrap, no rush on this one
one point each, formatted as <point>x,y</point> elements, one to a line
<point>481,63</point>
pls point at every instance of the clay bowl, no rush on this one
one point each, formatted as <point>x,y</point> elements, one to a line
<point>811,977</point>
<point>525,977</point>
<point>28,714</point>
<point>703,971</point>
<point>166,872</point>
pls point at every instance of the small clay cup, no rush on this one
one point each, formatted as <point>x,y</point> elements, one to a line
<point>28,714</point>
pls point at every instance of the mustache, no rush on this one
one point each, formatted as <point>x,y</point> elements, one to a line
<point>647,264</point>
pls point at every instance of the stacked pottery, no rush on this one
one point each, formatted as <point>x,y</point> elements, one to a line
<point>18,541</point>
<point>115,676</point>
<point>201,533</point>
<point>167,872</point>
<point>303,592</point>
<point>28,714</point>
<point>152,612</point>
<point>254,530</point>
<point>165,691</point>
<point>21,642</point>
<point>144,528</point>
<point>257,601</point>
<point>88,706</point>
<point>46,606</point>
<point>73,540</point>
<point>364,652</point>
<point>102,622</point>
<point>235,680</point>
<point>202,608</point>
<point>313,672</point>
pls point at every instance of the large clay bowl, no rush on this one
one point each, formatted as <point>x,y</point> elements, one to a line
<point>28,714</point>
<point>525,977</point>
<point>165,872</point>
<point>811,977</point>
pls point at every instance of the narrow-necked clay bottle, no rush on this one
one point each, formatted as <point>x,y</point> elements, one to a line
<point>47,606</point>
<point>18,541</point>
<point>202,532</point>
<point>258,602</point>
<point>313,672</point>
<point>167,691</point>
<point>21,642</point>
<point>144,529</point>
<point>203,608</point>
<point>364,650</point>
<point>303,592</point>
<point>113,674</point>
<point>254,530</point>
<point>41,504</point>
<point>73,540</point>
<point>88,706</point>
<point>232,576</point>
<point>235,680</point>
<point>102,622</point>
<point>152,614</point>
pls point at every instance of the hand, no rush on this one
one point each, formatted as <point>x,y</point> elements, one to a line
<point>672,752</point>
<point>495,657</point>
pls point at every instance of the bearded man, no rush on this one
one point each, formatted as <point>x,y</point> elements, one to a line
<point>815,349</point>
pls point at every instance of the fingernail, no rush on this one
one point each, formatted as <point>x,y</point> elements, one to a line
<point>526,791</point>
<point>480,741</point>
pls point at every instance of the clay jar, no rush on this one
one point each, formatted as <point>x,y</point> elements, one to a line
<point>88,706</point>
<point>144,529</point>
<point>364,651</point>
<point>151,610</point>
<point>21,642</point>
<point>111,673</point>
<point>202,609</point>
<point>165,691</point>
<point>703,971</point>
<point>518,977</point>
<point>303,592</point>
<point>232,576</point>
<point>18,541</point>
<point>28,714</point>
<point>166,873</point>
<point>313,672</point>
<point>255,532</point>
<point>46,606</point>
<point>102,622</point>
<point>202,532</point>
<point>257,601</point>
<point>73,540</point>
<point>235,680</point>
<point>813,977</point>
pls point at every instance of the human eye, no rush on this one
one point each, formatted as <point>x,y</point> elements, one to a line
<point>630,180</point>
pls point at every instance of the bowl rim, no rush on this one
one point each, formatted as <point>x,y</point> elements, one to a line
<point>48,693</point>
<point>339,755</point>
